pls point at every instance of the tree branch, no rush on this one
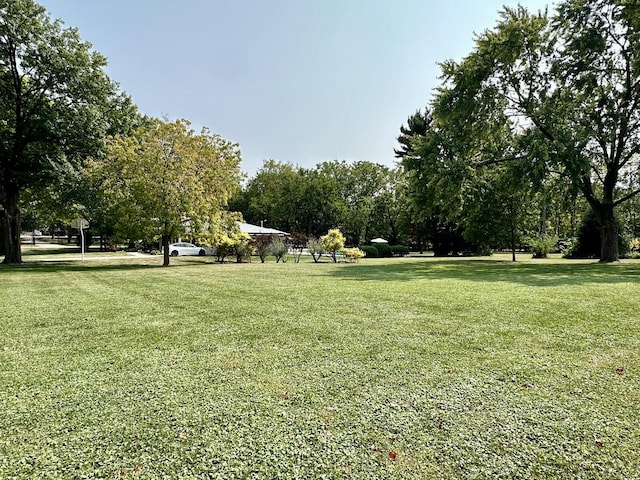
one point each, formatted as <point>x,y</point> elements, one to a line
<point>633,152</point>
<point>626,197</point>
<point>547,133</point>
<point>597,173</point>
<point>494,161</point>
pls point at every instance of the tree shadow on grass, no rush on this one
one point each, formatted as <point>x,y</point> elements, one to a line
<point>63,250</point>
<point>104,263</point>
<point>73,266</point>
<point>537,274</point>
<point>94,265</point>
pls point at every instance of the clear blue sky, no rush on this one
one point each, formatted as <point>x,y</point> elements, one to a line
<point>300,81</point>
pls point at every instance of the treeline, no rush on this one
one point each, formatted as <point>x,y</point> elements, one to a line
<point>364,200</point>
<point>367,200</point>
<point>531,141</point>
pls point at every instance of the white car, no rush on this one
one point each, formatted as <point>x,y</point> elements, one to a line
<point>185,248</point>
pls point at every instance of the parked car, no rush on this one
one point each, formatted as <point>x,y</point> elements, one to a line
<point>185,248</point>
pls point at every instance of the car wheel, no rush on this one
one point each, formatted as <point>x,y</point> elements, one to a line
<point>202,253</point>
<point>174,253</point>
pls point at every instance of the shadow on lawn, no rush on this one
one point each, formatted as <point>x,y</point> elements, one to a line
<point>35,252</point>
<point>482,270</point>
<point>74,266</point>
<point>104,263</point>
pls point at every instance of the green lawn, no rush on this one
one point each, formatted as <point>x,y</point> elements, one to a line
<point>411,368</point>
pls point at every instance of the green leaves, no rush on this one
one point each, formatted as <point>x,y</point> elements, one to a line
<point>332,242</point>
<point>57,105</point>
<point>557,93</point>
<point>165,180</point>
<point>333,193</point>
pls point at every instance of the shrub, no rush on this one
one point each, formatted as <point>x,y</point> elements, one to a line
<point>542,245</point>
<point>587,244</point>
<point>229,244</point>
<point>624,242</point>
<point>400,250</point>
<point>261,244</point>
<point>278,249</point>
<point>298,242</point>
<point>481,251</point>
<point>243,251</point>
<point>370,251</point>
<point>384,250</point>
<point>315,249</point>
<point>333,242</point>
<point>352,254</point>
<point>223,249</point>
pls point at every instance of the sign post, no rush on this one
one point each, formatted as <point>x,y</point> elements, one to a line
<point>80,224</point>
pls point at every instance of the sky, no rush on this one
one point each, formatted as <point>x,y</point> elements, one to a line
<point>297,81</point>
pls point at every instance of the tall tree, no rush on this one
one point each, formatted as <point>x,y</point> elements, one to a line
<point>568,89</point>
<point>369,183</point>
<point>313,200</point>
<point>55,104</point>
<point>166,180</point>
<point>357,186</point>
<point>435,184</point>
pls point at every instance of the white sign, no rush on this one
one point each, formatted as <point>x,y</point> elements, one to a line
<point>80,223</point>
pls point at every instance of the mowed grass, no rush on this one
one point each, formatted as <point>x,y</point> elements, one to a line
<point>401,368</point>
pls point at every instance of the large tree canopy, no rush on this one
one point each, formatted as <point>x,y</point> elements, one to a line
<point>56,107</point>
<point>165,180</point>
<point>557,94</point>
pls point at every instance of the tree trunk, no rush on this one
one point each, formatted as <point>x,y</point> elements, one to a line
<point>3,234</point>
<point>608,233</point>
<point>12,226</point>
<point>165,250</point>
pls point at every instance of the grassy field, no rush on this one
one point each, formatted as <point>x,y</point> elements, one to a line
<point>411,368</point>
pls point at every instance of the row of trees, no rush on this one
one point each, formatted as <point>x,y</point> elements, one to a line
<point>364,199</point>
<point>73,145</point>
<point>242,246</point>
<point>540,121</point>
<point>537,125</point>
<point>408,209</point>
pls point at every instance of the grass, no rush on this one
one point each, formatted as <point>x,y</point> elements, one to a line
<point>390,368</point>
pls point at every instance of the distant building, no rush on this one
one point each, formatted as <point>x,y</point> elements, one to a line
<point>256,230</point>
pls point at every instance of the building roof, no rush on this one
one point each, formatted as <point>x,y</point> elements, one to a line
<point>258,230</point>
